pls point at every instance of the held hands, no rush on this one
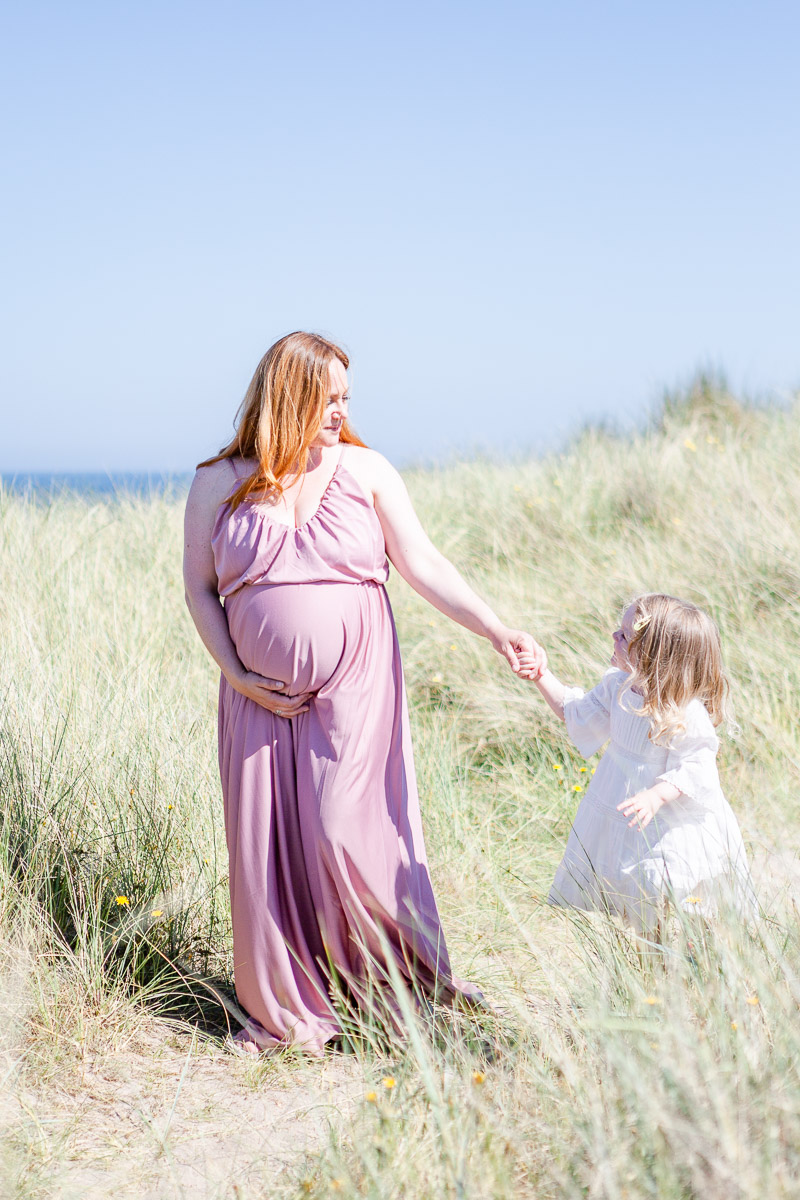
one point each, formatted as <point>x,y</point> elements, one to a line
<point>532,668</point>
<point>525,656</point>
<point>532,665</point>
<point>269,694</point>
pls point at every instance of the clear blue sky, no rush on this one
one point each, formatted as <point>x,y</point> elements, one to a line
<point>516,216</point>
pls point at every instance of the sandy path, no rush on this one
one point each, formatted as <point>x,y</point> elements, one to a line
<point>169,1117</point>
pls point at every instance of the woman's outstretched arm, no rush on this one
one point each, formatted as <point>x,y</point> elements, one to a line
<point>426,569</point>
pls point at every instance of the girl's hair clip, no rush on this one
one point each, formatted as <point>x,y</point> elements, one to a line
<point>641,623</point>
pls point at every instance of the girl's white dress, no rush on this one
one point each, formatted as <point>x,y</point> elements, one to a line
<point>692,851</point>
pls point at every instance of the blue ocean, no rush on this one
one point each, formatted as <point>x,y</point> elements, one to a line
<point>113,485</point>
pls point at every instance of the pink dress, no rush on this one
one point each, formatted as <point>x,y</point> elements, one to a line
<point>327,859</point>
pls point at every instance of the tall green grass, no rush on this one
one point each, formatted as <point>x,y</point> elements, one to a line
<point>596,1071</point>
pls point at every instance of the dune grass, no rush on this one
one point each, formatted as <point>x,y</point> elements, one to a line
<point>597,1072</point>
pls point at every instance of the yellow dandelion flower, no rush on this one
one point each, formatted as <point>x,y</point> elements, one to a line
<point>169,808</point>
<point>577,787</point>
<point>478,1077</point>
<point>753,1000</point>
<point>389,1082</point>
<point>453,646</point>
<point>205,860</point>
<point>556,766</point>
<point>694,899</point>
<point>651,1000</point>
<point>583,770</point>
<point>689,444</point>
<point>122,900</point>
<point>593,770</point>
<point>371,1097</point>
<point>734,1025</point>
<point>157,912</point>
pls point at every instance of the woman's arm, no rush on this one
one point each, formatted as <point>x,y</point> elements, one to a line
<point>210,487</point>
<point>428,571</point>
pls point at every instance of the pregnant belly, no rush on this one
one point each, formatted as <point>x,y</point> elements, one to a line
<point>294,632</point>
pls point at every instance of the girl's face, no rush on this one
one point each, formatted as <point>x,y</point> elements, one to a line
<point>622,639</point>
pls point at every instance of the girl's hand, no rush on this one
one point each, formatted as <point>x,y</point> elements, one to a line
<point>642,807</point>
<point>530,667</point>
<point>519,648</point>
<point>267,693</point>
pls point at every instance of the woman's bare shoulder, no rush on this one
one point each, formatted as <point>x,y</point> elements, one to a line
<point>360,454</point>
<point>370,467</point>
<point>210,486</point>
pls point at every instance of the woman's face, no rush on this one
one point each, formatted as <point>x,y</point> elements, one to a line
<point>335,411</point>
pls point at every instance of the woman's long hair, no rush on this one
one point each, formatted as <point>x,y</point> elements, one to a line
<point>282,412</point>
<point>675,657</point>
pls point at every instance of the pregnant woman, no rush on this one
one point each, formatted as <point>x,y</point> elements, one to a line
<point>291,525</point>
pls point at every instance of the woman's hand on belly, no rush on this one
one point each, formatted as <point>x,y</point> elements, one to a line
<point>269,694</point>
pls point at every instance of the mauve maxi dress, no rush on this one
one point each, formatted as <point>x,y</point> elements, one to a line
<point>327,859</point>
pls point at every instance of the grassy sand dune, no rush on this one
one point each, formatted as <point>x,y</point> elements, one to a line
<point>596,1074</point>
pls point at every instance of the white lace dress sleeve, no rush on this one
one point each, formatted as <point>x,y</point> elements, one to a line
<point>692,759</point>
<point>587,715</point>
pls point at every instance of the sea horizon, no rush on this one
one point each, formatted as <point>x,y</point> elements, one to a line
<point>106,484</point>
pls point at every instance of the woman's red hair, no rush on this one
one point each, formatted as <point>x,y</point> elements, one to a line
<point>282,412</point>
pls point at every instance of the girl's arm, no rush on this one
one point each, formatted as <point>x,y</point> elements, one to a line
<point>210,487</point>
<point>587,715</point>
<point>427,570</point>
<point>552,689</point>
<point>645,805</point>
<point>690,770</point>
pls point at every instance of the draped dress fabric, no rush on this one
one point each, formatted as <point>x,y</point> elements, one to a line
<point>328,873</point>
<point>691,853</point>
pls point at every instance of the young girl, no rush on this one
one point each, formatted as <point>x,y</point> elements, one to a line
<point>654,824</point>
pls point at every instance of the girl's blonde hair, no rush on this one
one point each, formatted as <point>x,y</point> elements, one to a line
<point>675,657</point>
<point>282,412</point>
